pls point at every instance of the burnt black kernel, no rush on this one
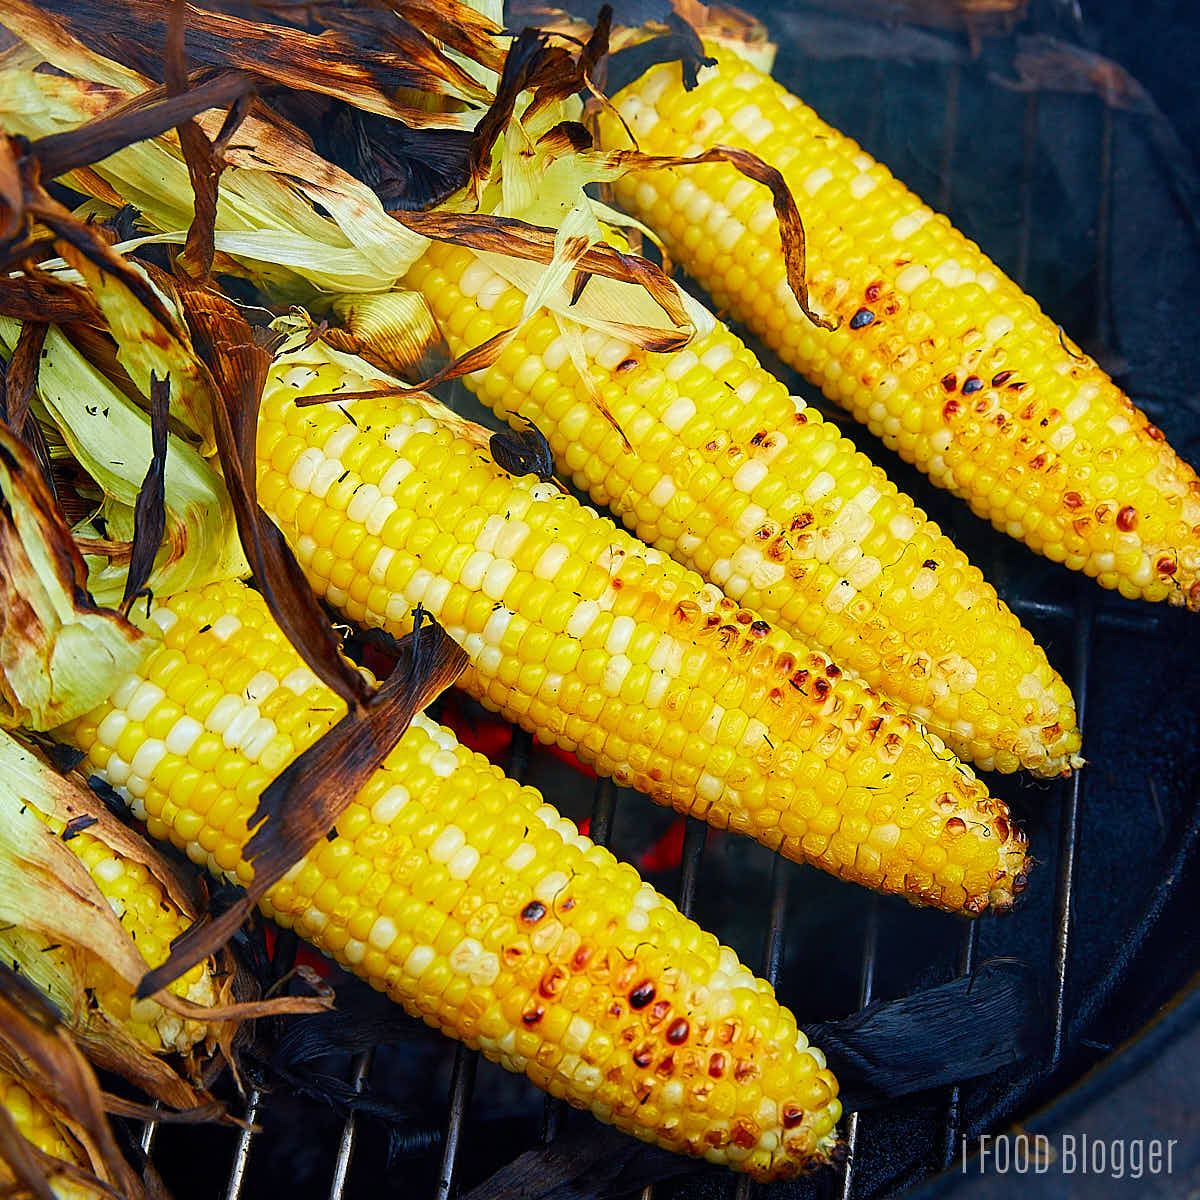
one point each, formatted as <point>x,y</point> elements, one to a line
<point>533,912</point>
<point>642,994</point>
<point>972,383</point>
<point>862,318</point>
<point>677,1032</point>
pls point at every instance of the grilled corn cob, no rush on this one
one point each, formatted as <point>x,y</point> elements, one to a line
<point>585,636</point>
<point>739,481</point>
<point>40,1130</point>
<point>937,352</point>
<point>466,898</point>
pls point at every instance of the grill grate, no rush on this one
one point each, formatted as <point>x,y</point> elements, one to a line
<point>1082,618</point>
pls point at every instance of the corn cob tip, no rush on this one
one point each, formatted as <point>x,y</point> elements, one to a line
<point>937,352</point>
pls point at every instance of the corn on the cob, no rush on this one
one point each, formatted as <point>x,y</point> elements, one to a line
<point>466,898</point>
<point>937,351</point>
<point>40,1130</point>
<point>590,639</point>
<point>739,481</point>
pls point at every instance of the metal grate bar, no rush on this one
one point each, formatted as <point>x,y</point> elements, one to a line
<point>772,957</point>
<point>694,837</point>
<point>866,988</point>
<point>966,961</point>
<point>949,138</point>
<point>462,1075</point>
<point>241,1154</point>
<point>149,1135</point>
<point>1069,829</point>
<point>462,1083</point>
<point>341,1167</point>
<point>282,961</point>
<point>1028,162</point>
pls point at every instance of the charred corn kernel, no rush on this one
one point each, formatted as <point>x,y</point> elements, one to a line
<point>739,481</point>
<point>662,657</point>
<point>937,352</point>
<point>451,887</point>
<point>38,1127</point>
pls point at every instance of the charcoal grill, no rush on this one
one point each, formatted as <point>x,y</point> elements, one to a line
<point>1108,916</point>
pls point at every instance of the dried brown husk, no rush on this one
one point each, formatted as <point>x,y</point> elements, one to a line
<point>328,64</point>
<point>37,1051</point>
<point>394,330</point>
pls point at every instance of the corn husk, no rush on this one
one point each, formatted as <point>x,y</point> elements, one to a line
<point>77,947</point>
<point>61,653</point>
<point>109,435</point>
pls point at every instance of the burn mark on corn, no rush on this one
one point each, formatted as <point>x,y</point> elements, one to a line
<point>949,383</point>
<point>792,1116</point>
<point>659,1013</point>
<point>744,1135</point>
<point>862,318</point>
<point>951,409</point>
<point>642,995</point>
<point>1127,519</point>
<point>666,1068</point>
<point>760,628</point>
<point>531,1016</point>
<point>677,1031</point>
<point>552,982</point>
<point>972,384</point>
<point>533,912</point>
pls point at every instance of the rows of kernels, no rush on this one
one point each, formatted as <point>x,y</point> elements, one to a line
<point>37,1127</point>
<point>938,352</point>
<point>152,921</point>
<point>739,481</point>
<point>590,639</point>
<point>474,904</point>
